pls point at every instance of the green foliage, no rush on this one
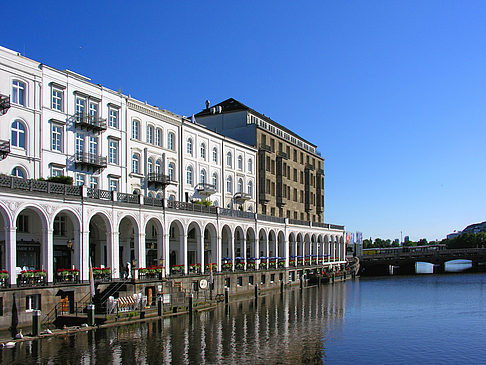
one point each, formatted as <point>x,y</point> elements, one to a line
<point>66,180</point>
<point>206,203</point>
<point>467,240</point>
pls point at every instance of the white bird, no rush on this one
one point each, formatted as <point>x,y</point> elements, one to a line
<point>19,335</point>
<point>8,345</point>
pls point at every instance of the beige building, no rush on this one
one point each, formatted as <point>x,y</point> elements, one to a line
<point>290,170</point>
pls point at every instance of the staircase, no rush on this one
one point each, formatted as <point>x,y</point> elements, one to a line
<point>101,298</point>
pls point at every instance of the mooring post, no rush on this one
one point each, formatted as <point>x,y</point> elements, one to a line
<point>160,302</point>
<point>36,322</point>
<point>191,298</point>
<point>226,295</point>
<point>256,291</point>
<point>281,286</point>
<point>91,314</point>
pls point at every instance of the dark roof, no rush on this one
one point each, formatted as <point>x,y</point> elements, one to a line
<point>233,105</point>
<point>472,226</point>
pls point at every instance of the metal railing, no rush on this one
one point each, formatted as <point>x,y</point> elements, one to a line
<point>89,121</point>
<point>158,178</point>
<point>43,186</point>
<point>203,188</point>
<point>4,104</point>
<point>90,159</point>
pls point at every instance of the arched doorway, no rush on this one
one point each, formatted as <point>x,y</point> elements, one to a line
<point>66,246</point>
<point>227,248</point>
<point>153,243</point>
<point>176,248</point>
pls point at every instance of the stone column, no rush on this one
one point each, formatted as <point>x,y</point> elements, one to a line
<point>84,256</point>
<point>48,253</point>
<point>219,250</point>
<point>184,253</point>
<point>113,249</point>
<point>257,253</point>
<point>11,254</point>
<point>202,251</point>
<point>243,243</point>
<point>166,253</point>
<point>140,250</point>
<point>287,252</point>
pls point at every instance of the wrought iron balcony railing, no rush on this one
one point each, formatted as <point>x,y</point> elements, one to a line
<point>158,179</point>
<point>4,104</point>
<point>265,147</point>
<point>205,189</point>
<point>241,197</point>
<point>4,149</point>
<point>90,161</point>
<point>89,122</point>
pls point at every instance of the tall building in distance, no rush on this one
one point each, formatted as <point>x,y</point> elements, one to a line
<point>290,170</point>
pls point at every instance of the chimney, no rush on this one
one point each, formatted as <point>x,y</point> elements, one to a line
<point>207,104</point>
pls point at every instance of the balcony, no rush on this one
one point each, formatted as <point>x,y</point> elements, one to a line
<point>205,189</point>
<point>89,122</point>
<point>320,172</point>
<point>4,149</point>
<point>4,104</point>
<point>281,201</point>
<point>240,198</point>
<point>265,148</point>
<point>282,155</point>
<point>263,197</point>
<point>158,180</point>
<point>89,161</point>
<point>309,166</point>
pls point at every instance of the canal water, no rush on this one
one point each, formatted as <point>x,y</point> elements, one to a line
<point>436,319</point>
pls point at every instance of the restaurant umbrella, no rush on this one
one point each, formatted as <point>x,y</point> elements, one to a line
<point>15,318</point>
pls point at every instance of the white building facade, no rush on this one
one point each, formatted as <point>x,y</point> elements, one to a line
<point>130,201</point>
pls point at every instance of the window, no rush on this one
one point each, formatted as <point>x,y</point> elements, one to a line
<point>215,154</point>
<point>113,117</point>
<point>250,165</point>
<point>18,134</point>
<point>215,181</point>
<point>17,172</point>
<point>158,137</point>
<point>93,182</point>
<point>57,171</point>
<point>150,134</point>
<point>57,97</point>
<point>240,163</point>
<point>189,175</point>
<point>158,167</point>
<point>135,163</point>
<point>23,223</point>
<point>113,184</point>
<point>250,188</point>
<point>189,146</point>
<point>80,105</point>
<point>202,179</point>
<point>135,129</point>
<point>33,302</point>
<point>79,143</point>
<point>93,109</point>
<point>93,145</point>
<point>150,165</point>
<point>80,179</point>
<point>203,151</point>
<point>56,138</point>
<point>229,184</point>
<point>240,185</point>
<point>113,151</point>
<point>171,171</point>
<point>170,141</point>
<point>18,92</point>
<point>229,159</point>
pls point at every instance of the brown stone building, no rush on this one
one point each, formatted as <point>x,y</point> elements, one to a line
<point>290,170</point>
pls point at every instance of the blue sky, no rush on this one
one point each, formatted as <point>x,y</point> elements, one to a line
<point>392,92</point>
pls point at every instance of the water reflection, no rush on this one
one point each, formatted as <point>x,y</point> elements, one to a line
<point>289,328</point>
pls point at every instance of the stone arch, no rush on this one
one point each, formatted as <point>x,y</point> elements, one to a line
<point>175,261</point>
<point>227,248</point>
<point>154,249</point>
<point>307,249</point>
<point>195,247</point>
<point>292,249</point>
<point>8,250</point>
<point>131,247</point>
<point>263,245</point>
<point>314,249</point>
<point>34,248</point>
<point>66,234</point>
<point>251,245</point>
<point>300,249</point>
<point>282,256</point>
<point>240,247</point>
<point>210,248</point>
<point>100,245</point>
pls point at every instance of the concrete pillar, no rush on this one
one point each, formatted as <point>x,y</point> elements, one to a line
<point>257,253</point>
<point>243,244</point>
<point>166,253</point>
<point>287,252</point>
<point>202,251</point>
<point>84,256</point>
<point>48,253</point>
<point>11,253</point>
<point>112,251</point>
<point>184,253</point>
<point>140,250</point>
<point>219,250</point>
<point>232,251</point>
